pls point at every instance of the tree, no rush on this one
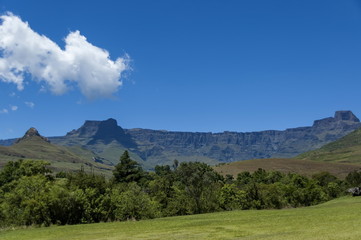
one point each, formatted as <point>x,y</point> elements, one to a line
<point>354,178</point>
<point>232,197</point>
<point>324,178</point>
<point>202,184</point>
<point>244,178</point>
<point>134,204</point>
<point>127,170</point>
<point>160,187</point>
<point>27,202</point>
<point>175,164</point>
<point>15,170</point>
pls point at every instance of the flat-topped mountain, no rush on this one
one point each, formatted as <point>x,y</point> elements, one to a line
<point>151,147</point>
<point>103,131</point>
<point>104,138</point>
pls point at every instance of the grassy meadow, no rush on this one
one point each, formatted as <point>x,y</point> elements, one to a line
<point>337,219</point>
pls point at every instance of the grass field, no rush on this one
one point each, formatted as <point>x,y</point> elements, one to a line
<point>337,219</point>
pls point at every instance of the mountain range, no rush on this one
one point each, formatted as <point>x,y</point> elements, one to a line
<point>103,142</point>
<point>151,147</point>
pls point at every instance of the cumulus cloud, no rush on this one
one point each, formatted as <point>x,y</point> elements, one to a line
<point>30,104</point>
<point>80,63</point>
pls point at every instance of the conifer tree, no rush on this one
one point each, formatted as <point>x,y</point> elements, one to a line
<point>127,170</point>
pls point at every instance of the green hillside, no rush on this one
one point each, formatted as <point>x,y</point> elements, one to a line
<point>337,219</point>
<point>286,165</point>
<point>338,158</point>
<point>344,150</point>
<point>34,146</point>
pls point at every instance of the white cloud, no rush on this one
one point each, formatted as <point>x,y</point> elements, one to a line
<point>4,110</point>
<point>81,63</point>
<point>13,108</point>
<point>30,104</point>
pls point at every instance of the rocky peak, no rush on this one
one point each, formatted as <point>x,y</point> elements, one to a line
<point>105,131</point>
<point>30,134</point>
<point>345,116</point>
<point>90,128</point>
<point>109,129</point>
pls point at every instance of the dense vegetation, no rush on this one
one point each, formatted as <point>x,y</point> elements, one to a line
<point>31,195</point>
<point>334,220</point>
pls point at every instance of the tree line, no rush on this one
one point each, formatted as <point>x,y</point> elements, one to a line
<point>31,195</point>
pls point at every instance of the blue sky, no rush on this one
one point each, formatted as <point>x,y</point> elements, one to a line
<point>207,66</point>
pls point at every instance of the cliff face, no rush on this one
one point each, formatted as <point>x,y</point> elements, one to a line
<point>102,131</point>
<point>151,147</point>
<point>234,146</point>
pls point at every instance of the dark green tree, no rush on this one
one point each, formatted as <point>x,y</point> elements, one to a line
<point>354,179</point>
<point>127,170</point>
<point>14,170</point>
<point>324,178</point>
<point>244,178</point>
<point>202,184</point>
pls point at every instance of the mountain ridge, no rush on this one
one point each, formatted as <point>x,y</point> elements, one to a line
<point>151,147</point>
<point>344,150</point>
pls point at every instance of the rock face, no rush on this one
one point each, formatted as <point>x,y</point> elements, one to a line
<point>356,191</point>
<point>104,131</point>
<point>153,147</point>
<point>345,116</point>
<point>235,146</point>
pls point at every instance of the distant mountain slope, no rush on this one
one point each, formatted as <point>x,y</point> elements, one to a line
<point>105,138</point>
<point>287,165</point>
<point>339,158</point>
<point>347,149</point>
<point>164,146</point>
<point>108,141</point>
<point>34,146</point>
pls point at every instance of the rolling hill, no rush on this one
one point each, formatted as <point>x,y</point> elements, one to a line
<point>339,158</point>
<point>288,165</point>
<point>34,146</point>
<point>345,150</point>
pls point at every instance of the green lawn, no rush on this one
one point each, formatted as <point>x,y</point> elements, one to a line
<point>337,219</point>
